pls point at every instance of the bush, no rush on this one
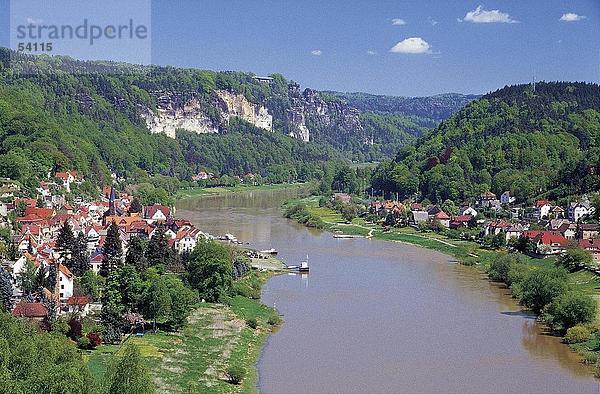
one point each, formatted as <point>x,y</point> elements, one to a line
<point>541,286</point>
<point>252,323</point>
<point>274,320</point>
<point>75,329</point>
<point>236,374</point>
<point>570,309</point>
<point>590,358</point>
<point>94,338</point>
<point>500,268</point>
<point>83,343</point>
<point>577,334</point>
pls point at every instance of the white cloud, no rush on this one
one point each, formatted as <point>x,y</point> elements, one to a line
<point>432,21</point>
<point>371,53</point>
<point>571,17</point>
<point>398,22</point>
<point>316,52</point>
<point>479,15</point>
<point>413,45</point>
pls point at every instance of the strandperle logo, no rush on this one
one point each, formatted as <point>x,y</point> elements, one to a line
<point>87,31</point>
<point>114,30</point>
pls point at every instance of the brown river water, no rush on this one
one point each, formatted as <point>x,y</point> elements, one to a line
<point>382,317</point>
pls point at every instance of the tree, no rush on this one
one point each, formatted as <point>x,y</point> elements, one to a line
<point>569,309</point>
<point>159,251</point>
<point>135,207</point>
<point>65,243</point>
<point>80,258</point>
<point>135,255</point>
<point>124,289</point>
<point>183,300</point>
<point>349,212</point>
<point>500,268</point>
<point>128,374</point>
<point>210,270</point>
<point>541,286</point>
<point>112,251</point>
<point>90,284</point>
<point>27,278</point>
<point>35,362</point>
<point>157,301</point>
<point>575,258</point>
<point>6,290</point>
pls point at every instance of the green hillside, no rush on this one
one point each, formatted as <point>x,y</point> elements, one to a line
<point>532,142</point>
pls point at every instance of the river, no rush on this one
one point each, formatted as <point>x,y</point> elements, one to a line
<point>382,317</point>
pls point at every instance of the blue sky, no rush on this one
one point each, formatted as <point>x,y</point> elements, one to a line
<point>386,47</point>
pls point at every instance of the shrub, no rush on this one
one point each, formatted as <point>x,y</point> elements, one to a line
<point>236,374</point>
<point>274,320</point>
<point>83,343</point>
<point>75,329</point>
<point>500,268</point>
<point>577,334</point>
<point>94,338</point>
<point>61,326</point>
<point>590,358</point>
<point>541,286</point>
<point>252,323</point>
<point>570,309</point>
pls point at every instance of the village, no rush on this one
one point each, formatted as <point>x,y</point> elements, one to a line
<point>540,230</point>
<point>34,224</point>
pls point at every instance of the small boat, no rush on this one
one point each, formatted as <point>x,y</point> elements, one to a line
<point>269,251</point>
<point>303,267</point>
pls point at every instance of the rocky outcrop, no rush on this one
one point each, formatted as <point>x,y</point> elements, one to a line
<point>310,114</point>
<point>231,104</point>
<point>187,112</point>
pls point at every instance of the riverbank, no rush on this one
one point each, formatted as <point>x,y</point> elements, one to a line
<point>215,338</point>
<point>462,251</point>
<point>217,191</point>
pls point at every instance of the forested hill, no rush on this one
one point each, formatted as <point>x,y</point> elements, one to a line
<point>532,142</point>
<point>426,111</point>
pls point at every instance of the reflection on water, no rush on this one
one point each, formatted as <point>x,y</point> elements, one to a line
<point>376,316</point>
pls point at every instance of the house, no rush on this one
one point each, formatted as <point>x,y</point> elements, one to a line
<point>67,178</point>
<point>202,176</point>
<point>592,246</point>
<point>516,230</point>
<point>419,217</point>
<point>65,282</point>
<point>506,198</point>
<point>30,310</point>
<point>568,230</point>
<point>78,304</point>
<point>578,210</point>
<point>96,260</point>
<point>157,212</point>
<point>496,227</point>
<point>557,212</point>
<point>443,218</point>
<point>588,231</point>
<point>460,221</point>
<point>468,211</point>
<point>547,242</point>
<point>542,208</point>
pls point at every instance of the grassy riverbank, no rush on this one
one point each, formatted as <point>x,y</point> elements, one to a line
<point>216,191</point>
<point>216,337</point>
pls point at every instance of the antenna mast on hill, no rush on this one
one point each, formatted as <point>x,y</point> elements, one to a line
<point>533,84</point>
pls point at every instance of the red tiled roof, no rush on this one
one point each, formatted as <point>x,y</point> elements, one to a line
<point>78,300</point>
<point>43,213</point>
<point>30,309</point>
<point>441,215</point>
<point>590,244</point>
<point>462,218</point>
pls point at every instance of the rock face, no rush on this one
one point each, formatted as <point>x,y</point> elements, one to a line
<point>231,104</point>
<point>177,111</point>
<point>310,115</point>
